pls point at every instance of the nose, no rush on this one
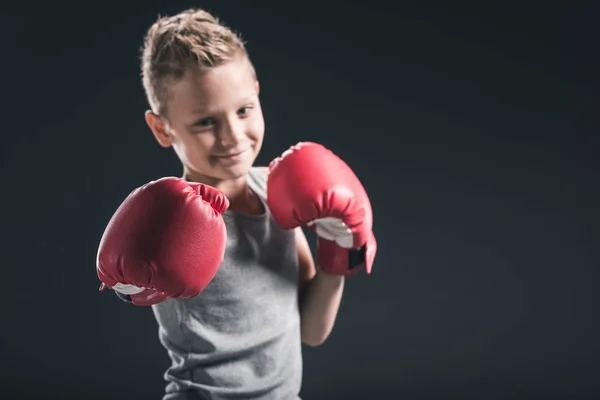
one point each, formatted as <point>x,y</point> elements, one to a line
<point>231,133</point>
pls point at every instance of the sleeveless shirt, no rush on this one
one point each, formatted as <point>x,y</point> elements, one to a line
<point>240,337</point>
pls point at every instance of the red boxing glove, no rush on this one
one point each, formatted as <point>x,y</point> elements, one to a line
<point>309,185</point>
<point>166,240</point>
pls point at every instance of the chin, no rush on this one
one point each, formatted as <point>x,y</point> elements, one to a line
<point>234,171</point>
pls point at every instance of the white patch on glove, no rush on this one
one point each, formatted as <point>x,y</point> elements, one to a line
<point>125,288</point>
<point>334,229</point>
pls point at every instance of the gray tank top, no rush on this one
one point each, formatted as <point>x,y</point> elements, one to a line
<point>240,337</point>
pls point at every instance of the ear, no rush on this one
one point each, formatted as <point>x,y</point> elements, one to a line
<point>158,128</point>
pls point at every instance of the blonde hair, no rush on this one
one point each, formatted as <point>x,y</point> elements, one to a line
<point>192,39</point>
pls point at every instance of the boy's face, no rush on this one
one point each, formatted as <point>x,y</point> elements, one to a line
<point>215,122</point>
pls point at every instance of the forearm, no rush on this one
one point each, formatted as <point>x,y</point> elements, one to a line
<point>319,306</point>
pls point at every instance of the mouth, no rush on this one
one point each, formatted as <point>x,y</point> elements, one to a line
<point>232,156</point>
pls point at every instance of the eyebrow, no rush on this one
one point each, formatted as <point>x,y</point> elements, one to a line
<point>200,111</point>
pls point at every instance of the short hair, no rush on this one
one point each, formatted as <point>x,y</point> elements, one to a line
<point>193,39</point>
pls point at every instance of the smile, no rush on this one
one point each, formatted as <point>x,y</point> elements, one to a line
<point>233,156</point>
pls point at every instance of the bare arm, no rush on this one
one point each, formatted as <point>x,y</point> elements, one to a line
<point>320,294</point>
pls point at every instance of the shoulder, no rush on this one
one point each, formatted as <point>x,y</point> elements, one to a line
<point>262,170</point>
<point>257,179</point>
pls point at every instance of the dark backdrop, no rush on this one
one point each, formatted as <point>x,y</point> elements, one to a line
<point>473,129</point>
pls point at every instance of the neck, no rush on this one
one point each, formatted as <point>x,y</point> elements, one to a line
<point>237,190</point>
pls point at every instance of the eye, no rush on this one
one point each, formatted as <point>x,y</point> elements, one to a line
<point>206,122</point>
<point>245,110</point>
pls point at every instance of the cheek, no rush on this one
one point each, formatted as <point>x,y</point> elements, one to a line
<point>256,129</point>
<point>194,149</point>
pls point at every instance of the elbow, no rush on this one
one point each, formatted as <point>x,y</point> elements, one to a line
<point>314,340</point>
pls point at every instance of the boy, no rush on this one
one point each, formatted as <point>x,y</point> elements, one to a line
<point>239,336</point>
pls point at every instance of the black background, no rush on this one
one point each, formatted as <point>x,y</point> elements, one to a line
<point>474,131</point>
